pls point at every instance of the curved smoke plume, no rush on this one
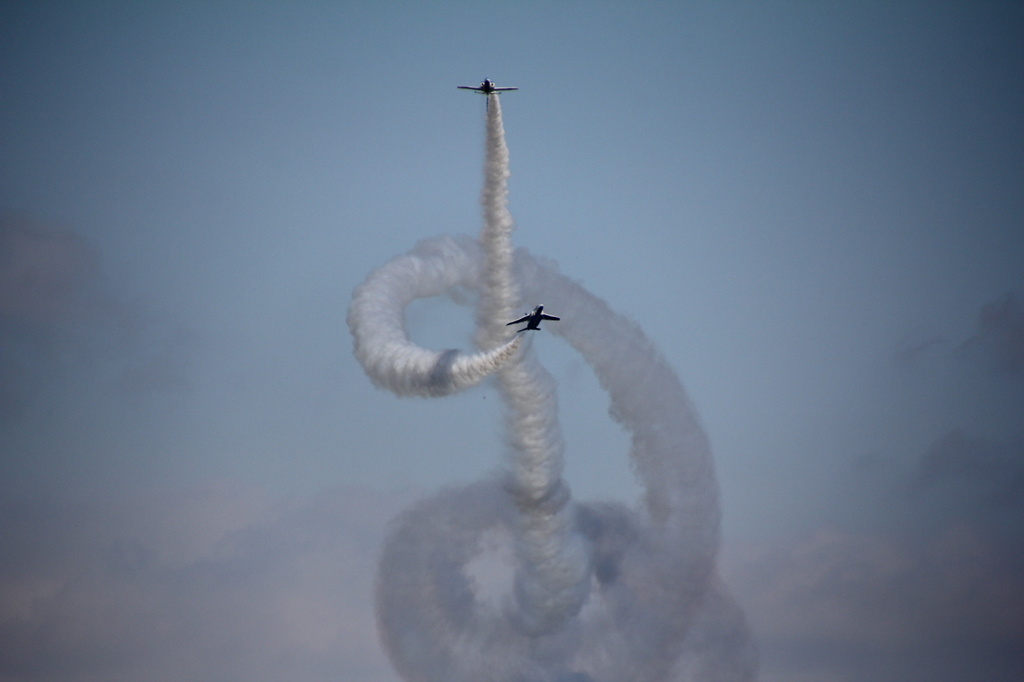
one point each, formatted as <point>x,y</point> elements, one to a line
<point>598,591</point>
<point>377,321</point>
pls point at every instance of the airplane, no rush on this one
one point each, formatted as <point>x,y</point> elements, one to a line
<point>486,87</point>
<point>533,319</point>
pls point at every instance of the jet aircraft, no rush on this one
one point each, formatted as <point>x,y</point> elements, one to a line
<point>533,319</point>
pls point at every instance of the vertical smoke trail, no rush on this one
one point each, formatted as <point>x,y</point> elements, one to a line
<point>499,293</point>
<point>599,592</point>
<point>553,572</point>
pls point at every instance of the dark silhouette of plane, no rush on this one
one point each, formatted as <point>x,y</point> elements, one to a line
<point>486,88</point>
<point>533,319</point>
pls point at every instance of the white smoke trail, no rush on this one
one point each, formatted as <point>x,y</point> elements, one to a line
<point>599,592</point>
<point>553,571</point>
<point>382,346</point>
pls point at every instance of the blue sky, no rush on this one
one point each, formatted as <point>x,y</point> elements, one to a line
<point>813,209</point>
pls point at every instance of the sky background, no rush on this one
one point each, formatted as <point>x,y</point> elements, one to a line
<point>815,210</point>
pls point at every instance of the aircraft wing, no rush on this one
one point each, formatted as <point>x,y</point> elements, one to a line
<point>524,318</point>
<point>545,316</point>
<point>503,89</point>
<point>469,87</point>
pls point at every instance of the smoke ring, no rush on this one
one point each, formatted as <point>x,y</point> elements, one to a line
<point>381,342</point>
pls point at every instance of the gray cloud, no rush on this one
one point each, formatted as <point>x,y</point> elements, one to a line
<point>984,477</point>
<point>846,605</point>
<point>221,583</point>
<point>59,324</point>
<point>917,572</point>
<point>1000,335</point>
<point>47,275</point>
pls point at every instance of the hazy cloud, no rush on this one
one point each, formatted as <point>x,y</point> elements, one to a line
<point>919,572</point>
<point>46,275</point>
<point>1001,335</point>
<point>59,323</point>
<point>932,589</point>
<point>221,583</point>
<point>846,605</point>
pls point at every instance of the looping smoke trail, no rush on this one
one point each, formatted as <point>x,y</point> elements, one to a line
<point>597,591</point>
<point>382,346</point>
